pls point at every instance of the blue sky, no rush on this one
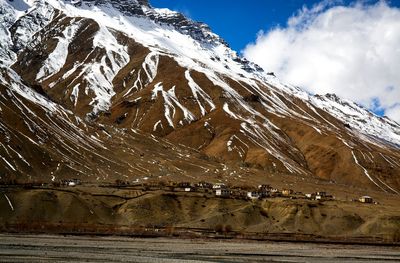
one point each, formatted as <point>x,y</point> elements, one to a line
<point>237,21</point>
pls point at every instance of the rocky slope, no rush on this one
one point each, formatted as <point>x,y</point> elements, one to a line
<point>108,90</point>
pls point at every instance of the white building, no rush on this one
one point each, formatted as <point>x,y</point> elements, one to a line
<point>366,199</point>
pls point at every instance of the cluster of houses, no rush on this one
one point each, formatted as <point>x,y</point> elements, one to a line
<point>323,196</point>
<point>262,191</point>
<point>223,190</point>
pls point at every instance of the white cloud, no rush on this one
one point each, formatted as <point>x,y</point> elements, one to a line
<point>353,51</point>
<point>394,112</point>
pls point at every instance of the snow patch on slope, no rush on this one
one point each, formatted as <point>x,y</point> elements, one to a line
<point>56,59</point>
<point>150,66</point>
<point>199,93</point>
<point>100,75</point>
<point>171,102</point>
<point>75,94</point>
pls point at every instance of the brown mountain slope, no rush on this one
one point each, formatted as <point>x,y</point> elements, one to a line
<point>134,110</point>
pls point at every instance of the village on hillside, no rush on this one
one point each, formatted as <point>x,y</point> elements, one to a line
<point>223,190</point>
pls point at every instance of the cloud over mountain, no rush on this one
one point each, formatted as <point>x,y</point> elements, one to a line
<point>353,51</point>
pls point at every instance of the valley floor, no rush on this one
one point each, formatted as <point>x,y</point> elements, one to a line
<point>44,248</point>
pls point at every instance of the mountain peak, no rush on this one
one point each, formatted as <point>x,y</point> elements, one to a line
<point>197,30</point>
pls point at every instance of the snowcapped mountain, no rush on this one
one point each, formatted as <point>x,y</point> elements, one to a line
<point>118,89</point>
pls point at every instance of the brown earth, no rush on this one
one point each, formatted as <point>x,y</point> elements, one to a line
<point>133,208</point>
